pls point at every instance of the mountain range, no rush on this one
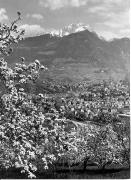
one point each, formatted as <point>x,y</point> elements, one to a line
<point>76,53</point>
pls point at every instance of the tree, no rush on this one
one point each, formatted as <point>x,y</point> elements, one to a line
<point>123,134</point>
<point>107,147</point>
<point>10,35</point>
<point>29,138</point>
<point>96,146</point>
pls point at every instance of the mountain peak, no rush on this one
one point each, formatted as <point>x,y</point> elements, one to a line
<point>72,28</point>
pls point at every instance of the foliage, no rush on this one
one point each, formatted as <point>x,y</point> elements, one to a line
<point>95,145</point>
<point>9,35</point>
<point>27,136</point>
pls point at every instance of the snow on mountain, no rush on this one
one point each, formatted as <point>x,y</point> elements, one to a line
<point>72,28</point>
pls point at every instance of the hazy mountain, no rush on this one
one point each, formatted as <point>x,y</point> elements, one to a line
<point>79,55</point>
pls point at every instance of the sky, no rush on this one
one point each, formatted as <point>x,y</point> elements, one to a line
<point>108,18</point>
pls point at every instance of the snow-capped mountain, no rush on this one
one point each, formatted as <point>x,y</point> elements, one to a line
<point>72,28</point>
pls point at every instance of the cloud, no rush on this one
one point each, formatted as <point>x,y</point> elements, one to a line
<point>113,18</point>
<point>3,15</point>
<point>119,23</point>
<point>108,6</point>
<point>97,9</point>
<point>107,34</point>
<point>125,32</point>
<point>32,30</point>
<point>57,4</point>
<point>114,2</point>
<point>118,20</point>
<point>35,16</point>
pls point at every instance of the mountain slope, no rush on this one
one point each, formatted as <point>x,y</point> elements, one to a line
<point>77,56</point>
